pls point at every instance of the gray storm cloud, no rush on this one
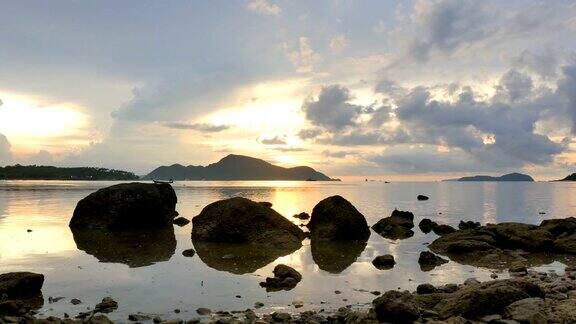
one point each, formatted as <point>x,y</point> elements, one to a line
<point>476,132</point>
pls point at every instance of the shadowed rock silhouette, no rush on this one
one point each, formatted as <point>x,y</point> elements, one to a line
<point>136,248</point>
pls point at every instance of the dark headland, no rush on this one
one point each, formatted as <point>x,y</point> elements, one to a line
<point>571,177</point>
<point>506,177</point>
<point>237,167</point>
<point>39,172</point>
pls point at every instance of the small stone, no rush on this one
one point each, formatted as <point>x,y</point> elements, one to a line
<point>138,317</point>
<point>203,311</point>
<point>384,262</point>
<point>422,197</point>
<point>489,318</point>
<point>177,311</point>
<point>471,281</point>
<point>337,292</point>
<point>188,253</point>
<point>302,216</point>
<point>107,305</point>
<point>258,305</point>
<point>75,301</point>
<point>298,304</point>
<point>426,288</point>
<point>181,221</point>
<point>157,320</point>
<point>29,231</point>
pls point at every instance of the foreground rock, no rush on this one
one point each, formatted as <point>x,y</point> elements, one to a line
<point>336,219</point>
<point>397,226</point>
<point>508,243</point>
<point>422,197</point>
<point>429,261</point>
<point>126,206</point>
<point>384,262</point>
<point>240,220</point>
<point>539,297</point>
<point>396,307</point>
<point>20,284</point>
<point>285,278</point>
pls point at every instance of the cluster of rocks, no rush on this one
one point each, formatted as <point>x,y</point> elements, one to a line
<point>427,225</point>
<point>507,243</point>
<point>397,226</point>
<point>285,278</point>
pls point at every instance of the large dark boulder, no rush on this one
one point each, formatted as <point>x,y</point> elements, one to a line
<point>20,284</point>
<point>126,206</point>
<point>336,219</point>
<point>475,301</point>
<point>397,226</point>
<point>240,220</point>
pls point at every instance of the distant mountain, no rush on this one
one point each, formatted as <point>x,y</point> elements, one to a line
<point>38,172</point>
<point>506,177</point>
<point>571,177</point>
<point>237,167</point>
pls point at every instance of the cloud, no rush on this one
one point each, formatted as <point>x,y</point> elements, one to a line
<point>520,125</point>
<point>567,89</point>
<point>338,43</point>
<point>290,149</point>
<point>5,153</point>
<point>304,58</point>
<point>201,127</point>
<point>545,63</point>
<point>309,133</point>
<point>332,109</point>
<point>265,7</point>
<point>276,140</point>
<point>514,86</point>
<point>336,154</point>
<point>425,159</point>
<point>446,25</point>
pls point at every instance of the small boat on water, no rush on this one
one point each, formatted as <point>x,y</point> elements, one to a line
<point>163,181</point>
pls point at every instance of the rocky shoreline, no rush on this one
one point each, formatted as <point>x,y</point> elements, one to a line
<point>527,297</point>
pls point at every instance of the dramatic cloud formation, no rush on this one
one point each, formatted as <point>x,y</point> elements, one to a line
<point>373,87</point>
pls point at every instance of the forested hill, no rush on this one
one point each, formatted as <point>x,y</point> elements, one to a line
<point>237,167</point>
<point>37,172</point>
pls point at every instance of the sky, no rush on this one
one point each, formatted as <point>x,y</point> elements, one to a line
<point>376,89</point>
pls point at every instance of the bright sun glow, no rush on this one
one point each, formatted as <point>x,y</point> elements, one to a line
<point>28,123</point>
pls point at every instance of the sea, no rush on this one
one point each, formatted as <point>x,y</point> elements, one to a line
<point>149,274</point>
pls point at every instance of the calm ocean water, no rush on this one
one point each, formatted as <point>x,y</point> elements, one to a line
<point>153,277</point>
